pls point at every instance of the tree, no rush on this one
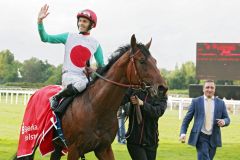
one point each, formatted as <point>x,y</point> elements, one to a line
<point>8,67</point>
<point>176,80</point>
<point>164,72</point>
<point>189,70</point>
<point>180,78</point>
<point>56,77</point>
<point>35,70</point>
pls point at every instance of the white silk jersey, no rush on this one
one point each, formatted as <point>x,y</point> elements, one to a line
<point>78,49</point>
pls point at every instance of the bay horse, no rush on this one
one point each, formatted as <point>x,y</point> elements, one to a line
<point>90,121</point>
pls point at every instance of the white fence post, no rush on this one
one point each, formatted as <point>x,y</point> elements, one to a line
<point>25,99</point>
<point>28,97</point>
<point>180,107</point>
<point>171,105</point>
<point>6,97</point>
<point>234,109</point>
<point>16,99</point>
<point>11,102</point>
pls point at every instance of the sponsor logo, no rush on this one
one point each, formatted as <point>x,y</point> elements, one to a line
<point>26,129</point>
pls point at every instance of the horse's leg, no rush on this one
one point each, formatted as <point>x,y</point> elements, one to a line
<point>57,154</point>
<point>105,154</point>
<point>73,153</point>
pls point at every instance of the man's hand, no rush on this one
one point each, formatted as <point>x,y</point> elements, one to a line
<point>88,71</point>
<point>220,122</point>
<point>43,13</point>
<point>136,101</point>
<point>182,138</point>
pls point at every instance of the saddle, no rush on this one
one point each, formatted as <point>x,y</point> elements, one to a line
<point>65,102</point>
<point>62,107</point>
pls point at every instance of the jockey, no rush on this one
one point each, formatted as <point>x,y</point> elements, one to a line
<point>79,48</point>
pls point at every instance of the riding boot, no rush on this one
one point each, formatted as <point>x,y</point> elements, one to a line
<point>69,91</point>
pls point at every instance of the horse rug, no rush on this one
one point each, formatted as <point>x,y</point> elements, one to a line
<point>38,122</point>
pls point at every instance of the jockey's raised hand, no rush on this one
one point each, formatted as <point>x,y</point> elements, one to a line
<point>43,13</point>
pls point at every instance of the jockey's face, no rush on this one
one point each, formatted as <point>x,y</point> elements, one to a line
<point>83,24</point>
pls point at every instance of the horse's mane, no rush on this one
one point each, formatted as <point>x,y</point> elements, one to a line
<point>117,54</point>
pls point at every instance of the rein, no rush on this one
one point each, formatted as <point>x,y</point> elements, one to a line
<point>118,84</point>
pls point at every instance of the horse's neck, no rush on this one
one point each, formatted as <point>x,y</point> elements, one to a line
<point>108,96</point>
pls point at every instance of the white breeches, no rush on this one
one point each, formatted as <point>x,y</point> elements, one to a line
<point>78,81</point>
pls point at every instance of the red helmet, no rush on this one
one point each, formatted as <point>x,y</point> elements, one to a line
<point>89,14</point>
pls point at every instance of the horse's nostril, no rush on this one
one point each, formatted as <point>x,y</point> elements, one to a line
<point>161,88</point>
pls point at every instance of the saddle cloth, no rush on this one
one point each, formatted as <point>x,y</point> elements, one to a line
<point>38,122</point>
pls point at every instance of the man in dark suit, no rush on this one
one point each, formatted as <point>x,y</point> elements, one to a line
<point>209,115</point>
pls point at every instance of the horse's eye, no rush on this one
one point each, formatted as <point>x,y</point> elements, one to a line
<point>142,61</point>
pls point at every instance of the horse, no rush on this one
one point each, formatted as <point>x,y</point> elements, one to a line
<point>90,121</point>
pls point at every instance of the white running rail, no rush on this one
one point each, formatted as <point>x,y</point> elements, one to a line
<point>19,96</point>
<point>183,103</point>
<point>8,95</point>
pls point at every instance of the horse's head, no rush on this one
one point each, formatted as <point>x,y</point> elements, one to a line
<point>142,69</point>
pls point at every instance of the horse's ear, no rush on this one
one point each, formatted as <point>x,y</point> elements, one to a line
<point>148,44</point>
<point>133,43</point>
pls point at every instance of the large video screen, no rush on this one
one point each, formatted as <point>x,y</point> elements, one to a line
<point>218,61</point>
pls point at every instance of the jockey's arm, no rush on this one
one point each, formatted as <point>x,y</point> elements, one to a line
<point>58,38</point>
<point>99,56</point>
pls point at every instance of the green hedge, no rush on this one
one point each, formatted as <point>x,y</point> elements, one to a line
<point>24,85</point>
<point>178,91</point>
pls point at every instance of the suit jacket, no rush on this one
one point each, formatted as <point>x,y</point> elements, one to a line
<point>196,110</point>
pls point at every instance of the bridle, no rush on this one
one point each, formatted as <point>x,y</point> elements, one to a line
<point>141,86</point>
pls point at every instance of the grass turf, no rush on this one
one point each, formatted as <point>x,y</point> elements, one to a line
<point>169,146</point>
